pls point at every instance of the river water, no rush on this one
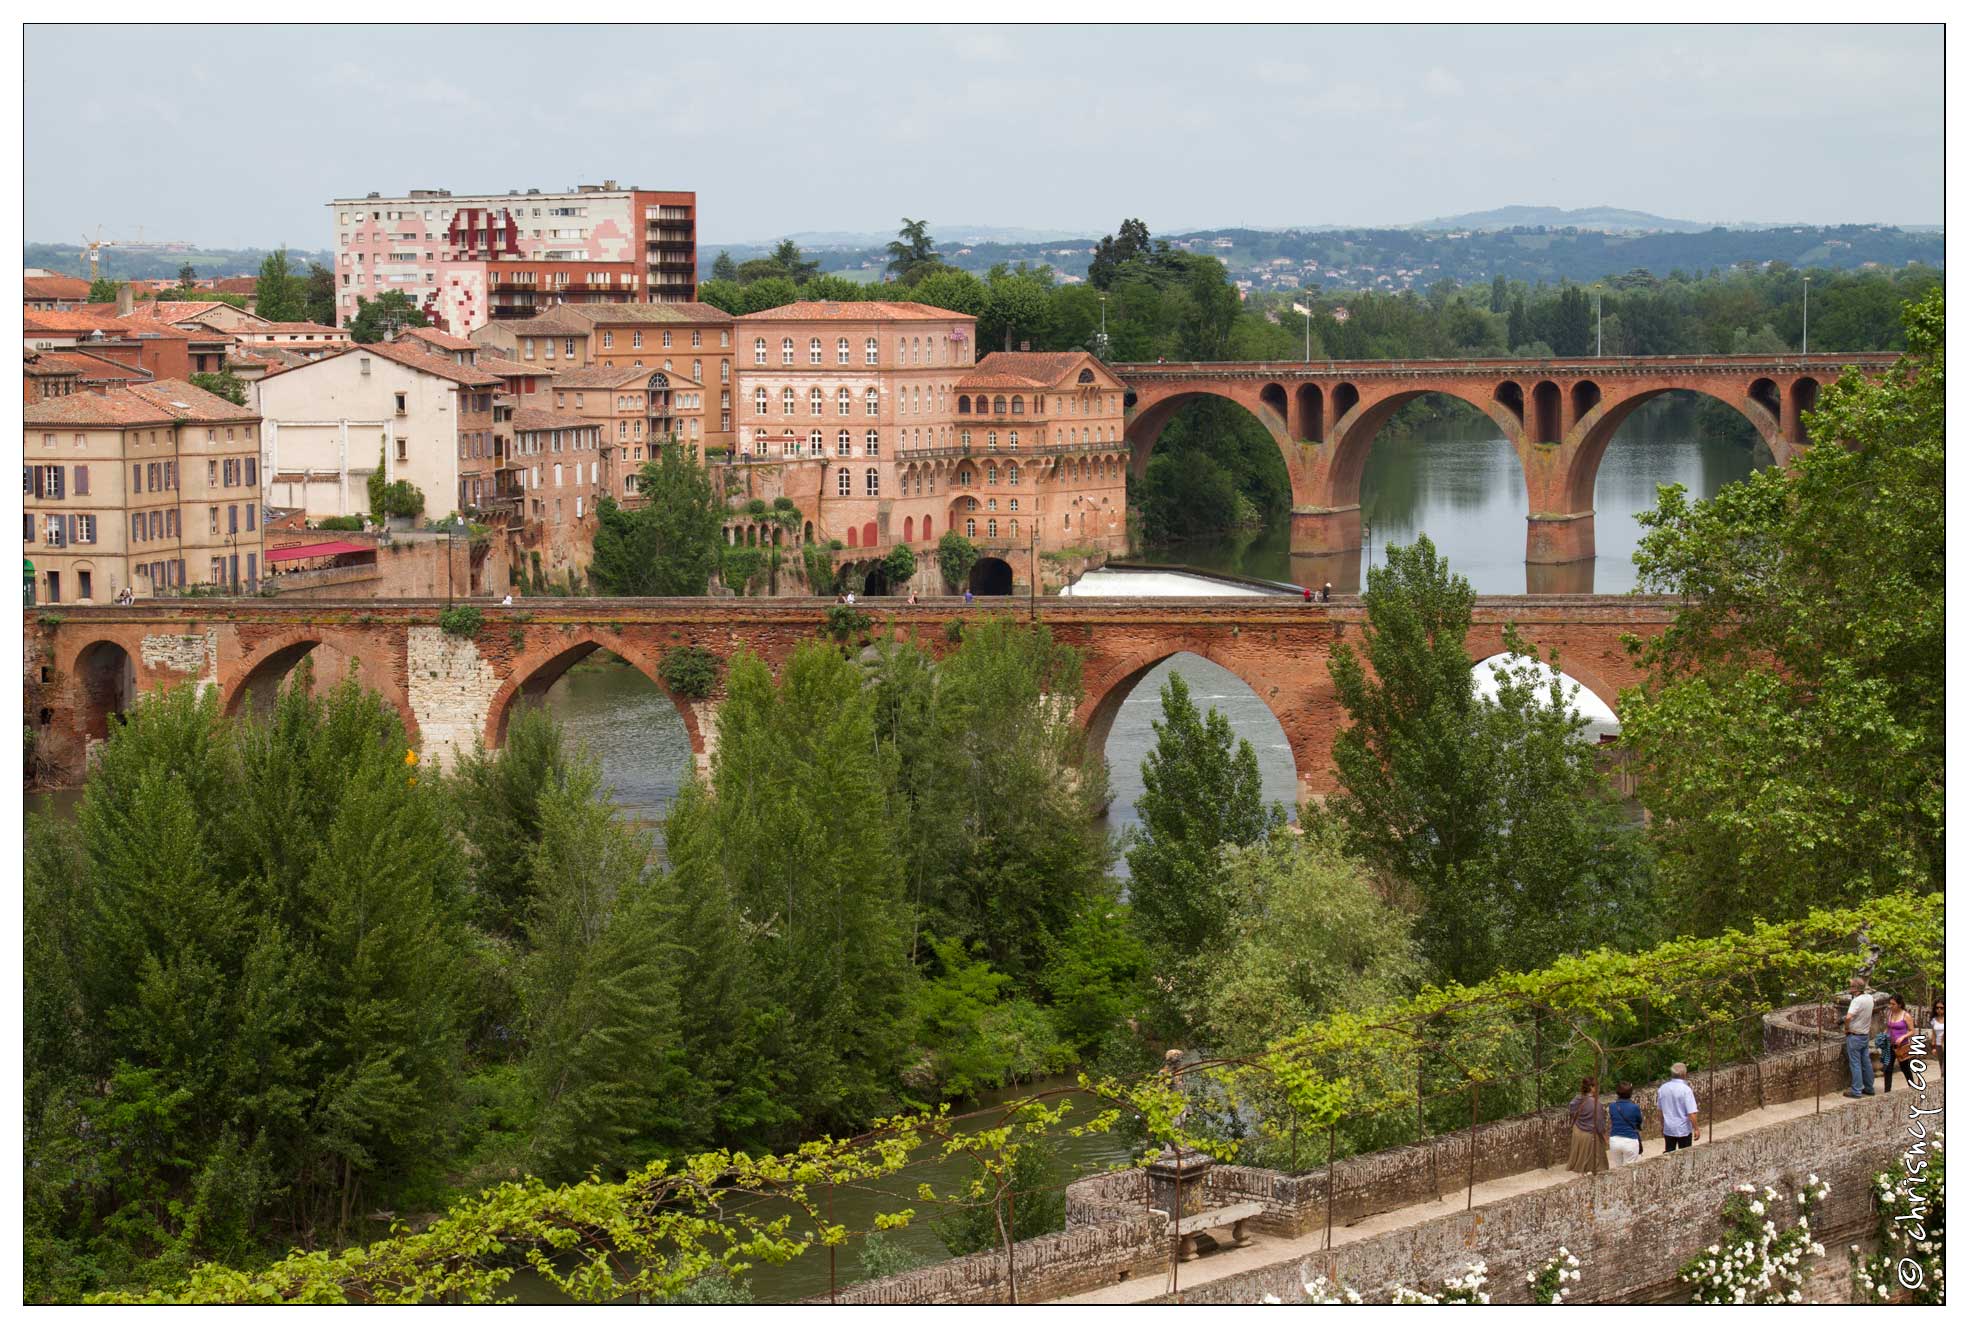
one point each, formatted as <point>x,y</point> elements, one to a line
<point>1462,486</point>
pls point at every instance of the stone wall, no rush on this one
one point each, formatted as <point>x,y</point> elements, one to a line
<point>1632,1228</point>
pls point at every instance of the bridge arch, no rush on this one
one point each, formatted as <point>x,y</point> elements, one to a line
<point>106,686</point>
<point>1595,430</point>
<point>1116,679</point>
<point>1354,432</point>
<point>1145,427</point>
<point>251,682</point>
<point>540,667</point>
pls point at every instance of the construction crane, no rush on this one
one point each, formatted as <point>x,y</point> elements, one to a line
<point>94,247</point>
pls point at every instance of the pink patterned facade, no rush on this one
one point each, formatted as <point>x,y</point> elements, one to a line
<point>467,259</point>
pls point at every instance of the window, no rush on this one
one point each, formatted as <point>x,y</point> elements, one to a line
<point>697,370</point>
<point>1012,441</point>
<point>991,440</point>
<point>844,444</point>
<point>1018,406</point>
<point>874,482</point>
<point>964,437</point>
<point>991,529</point>
<point>841,351</point>
<point>844,484</point>
<point>816,404</point>
<point>758,401</point>
<point>786,402</point>
<point>873,402</point>
<point>991,473</point>
<point>813,351</point>
<point>724,371</point>
<point>1012,474</point>
<point>786,350</point>
<point>608,341</point>
<point>759,351</point>
<point>1014,505</point>
<point>81,480</point>
<point>971,527</point>
<point>873,443</point>
<point>666,340</point>
<point>871,351</point>
<point>844,402</point>
<point>1015,528</point>
<point>816,447</point>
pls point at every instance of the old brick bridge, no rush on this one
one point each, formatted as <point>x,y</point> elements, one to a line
<point>87,664</point>
<point>1558,415</point>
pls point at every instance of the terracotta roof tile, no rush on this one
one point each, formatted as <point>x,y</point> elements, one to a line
<point>297,327</point>
<point>1029,369</point>
<point>542,325</point>
<point>673,311</point>
<point>498,364</point>
<point>96,368</point>
<point>55,288</point>
<point>429,364</point>
<point>164,401</point>
<point>527,420</point>
<point>81,321</point>
<point>865,311</point>
<point>434,337</point>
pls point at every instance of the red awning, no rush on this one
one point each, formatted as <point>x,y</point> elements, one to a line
<point>326,549</point>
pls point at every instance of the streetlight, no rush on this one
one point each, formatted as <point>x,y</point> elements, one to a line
<point>1597,341</point>
<point>1805,336</point>
<point>1298,308</point>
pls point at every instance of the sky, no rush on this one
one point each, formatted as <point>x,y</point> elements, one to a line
<point>786,129</point>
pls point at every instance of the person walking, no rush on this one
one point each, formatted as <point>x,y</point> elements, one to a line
<point>1326,593</point>
<point>1589,1137</point>
<point>1935,1032</point>
<point>1624,1126</point>
<point>1309,593</point>
<point>967,595</point>
<point>1858,1025</point>
<point>1894,1041</point>
<point>1677,1104</point>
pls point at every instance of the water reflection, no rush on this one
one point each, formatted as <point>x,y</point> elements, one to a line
<point>605,705</point>
<point>1460,482</point>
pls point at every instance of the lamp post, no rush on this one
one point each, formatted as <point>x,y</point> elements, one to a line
<point>1307,310</point>
<point>1597,340</point>
<point>1805,334</point>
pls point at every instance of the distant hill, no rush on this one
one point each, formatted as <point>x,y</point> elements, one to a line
<point>143,264</point>
<point>1585,219</point>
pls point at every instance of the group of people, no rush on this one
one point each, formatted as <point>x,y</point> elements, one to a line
<point>1324,595</point>
<point>1613,1139</point>
<point>1895,1041</point>
<point>1610,1135</point>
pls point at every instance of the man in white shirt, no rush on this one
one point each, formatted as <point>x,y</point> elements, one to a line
<point>1677,1104</point>
<point>1859,1028</point>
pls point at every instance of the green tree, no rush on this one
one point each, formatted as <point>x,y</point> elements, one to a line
<point>1791,727</point>
<point>1015,303</point>
<point>722,293</point>
<point>385,316</point>
<point>281,294</point>
<point>499,808</point>
<point>955,558</point>
<point>722,267</point>
<point>911,251</point>
<point>319,300</point>
<point>104,291</point>
<point>1309,935</point>
<point>1113,253</point>
<point>767,293</point>
<point>1200,792</point>
<point>600,994</point>
<point>187,276</point>
<point>792,264</point>
<point>1019,1202</point>
<point>222,384</point>
<point>669,545</point>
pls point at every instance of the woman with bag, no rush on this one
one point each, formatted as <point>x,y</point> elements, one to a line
<point>1894,1043</point>
<point>1589,1133</point>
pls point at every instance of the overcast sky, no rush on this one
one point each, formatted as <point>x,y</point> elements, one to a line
<point>234,136</point>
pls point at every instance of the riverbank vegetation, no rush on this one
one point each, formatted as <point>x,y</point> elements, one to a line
<point>284,982</point>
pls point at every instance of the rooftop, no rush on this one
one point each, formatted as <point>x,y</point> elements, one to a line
<point>168,400</point>
<point>1027,369</point>
<point>54,288</point>
<point>858,311</point>
<point>528,420</point>
<point>442,340</point>
<point>677,311</point>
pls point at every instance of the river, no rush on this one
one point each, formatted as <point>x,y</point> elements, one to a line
<point>1460,483</point>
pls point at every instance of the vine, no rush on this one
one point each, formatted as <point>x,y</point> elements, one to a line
<point>1910,1212</point>
<point>461,620</point>
<point>1757,1264</point>
<point>1547,1283</point>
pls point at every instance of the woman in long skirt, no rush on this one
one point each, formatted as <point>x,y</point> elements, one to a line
<point>1589,1133</point>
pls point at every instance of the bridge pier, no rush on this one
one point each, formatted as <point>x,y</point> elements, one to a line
<point>1326,530</point>
<point>1558,537</point>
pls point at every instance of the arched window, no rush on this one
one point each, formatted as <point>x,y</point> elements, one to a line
<point>844,485</point>
<point>786,350</point>
<point>998,406</point>
<point>844,445</point>
<point>872,401</point>
<point>871,351</point>
<point>991,440</point>
<point>971,527</point>
<point>759,351</point>
<point>926,528</point>
<point>909,530</point>
<point>1018,406</point>
<point>1012,441</point>
<point>1015,528</point>
<point>963,405</point>
<point>844,402</point>
<point>991,529</point>
<point>964,476</point>
<point>916,350</point>
<point>786,401</point>
<point>874,482</point>
<point>991,473</point>
<point>873,443</point>
<point>854,536</point>
<point>816,445</point>
<point>841,351</point>
<point>971,504</point>
<point>991,505</point>
<point>902,350</point>
<point>1012,474</point>
<point>816,404</point>
<point>758,401</point>
<point>813,351</point>
<point>964,438</point>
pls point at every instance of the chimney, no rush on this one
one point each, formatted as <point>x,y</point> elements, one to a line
<point>126,303</point>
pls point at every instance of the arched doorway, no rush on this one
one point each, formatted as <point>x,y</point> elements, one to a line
<point>1121,727</point>
<point>107,678</point>
<point>991,576</point>
<point>875,578</point>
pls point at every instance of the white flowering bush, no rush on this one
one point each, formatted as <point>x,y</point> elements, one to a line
<point>1466,1289</point>
<point>1547,1283</point>
<point>1909,1208</point>
<point>1758,1263</point>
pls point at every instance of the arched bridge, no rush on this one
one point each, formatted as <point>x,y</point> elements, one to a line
<point>89,663</point>
<point>1558,415</point>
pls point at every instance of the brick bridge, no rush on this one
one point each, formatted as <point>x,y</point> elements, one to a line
<point>86,664</point>
<point>1558,415</point>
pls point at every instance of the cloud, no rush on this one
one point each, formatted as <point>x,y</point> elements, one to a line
<point>1441,83</point>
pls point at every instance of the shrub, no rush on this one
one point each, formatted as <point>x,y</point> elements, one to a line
<point>740,565</point>
<point>953,631</point>
<point>845,621</point>
<point>462,620</point>
<point>402,499</point>
<point>339,524</point>
<point>900,565</point>
<point>689,671</point>
<point>955,556</point>
<point>757,507</point>
<point>820,570</point>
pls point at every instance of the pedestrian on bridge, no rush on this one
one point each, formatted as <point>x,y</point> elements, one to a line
<point>1589,1136</point>
<point>1677,1104</point>
<point>1624,1126</point>
<point>1859,1036</point>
